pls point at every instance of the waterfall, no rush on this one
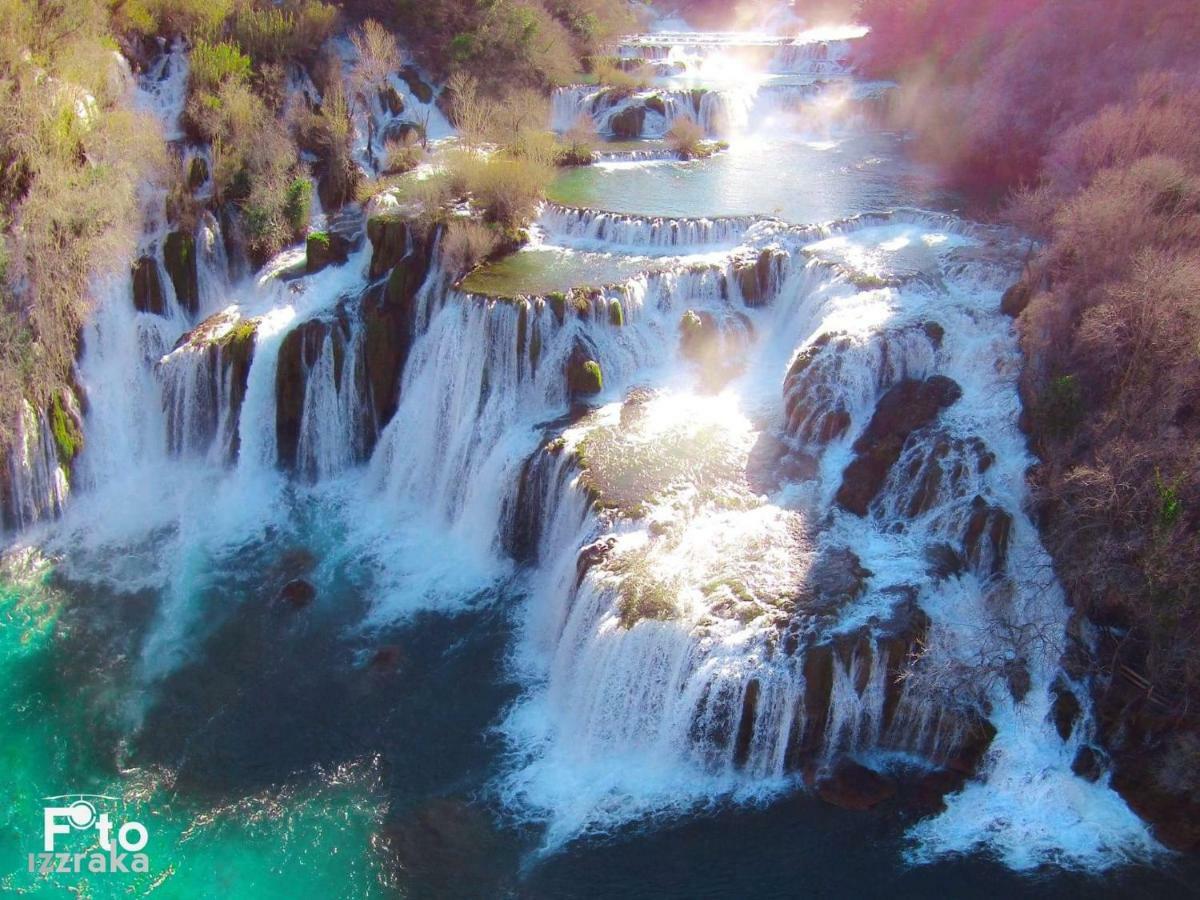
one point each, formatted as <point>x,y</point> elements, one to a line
<point>592,229</point>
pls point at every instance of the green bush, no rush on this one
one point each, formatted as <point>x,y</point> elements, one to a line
<point>297,207</point>
<point>214,64</point>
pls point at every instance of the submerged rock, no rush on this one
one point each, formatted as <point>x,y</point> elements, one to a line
<point>297,593</point>
<point>906,407</point>
<point>854,786</point>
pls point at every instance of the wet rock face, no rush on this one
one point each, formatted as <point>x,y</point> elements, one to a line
<point>179,256</point>
<point>944,471</point>
<point>758,275</point>
<point>813,416</point>
<point>148,294</point>
<point>836,578</point>
<point>298,352</point>
<point>389,311</point>
<point>985,544</point>
<point>906,407</point>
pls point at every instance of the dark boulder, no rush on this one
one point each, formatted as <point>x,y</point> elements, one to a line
<point>592,555</point>
<point>407,133</point>
<point>1016,298</point>
<point>906,407</point>
<point>179,257</point>
<point>628,123</point>
<point>148,294</point>
<point>1066,709</point>
<point>390,100</point>
<point>1087,764</point>
<point>854,786</point>
<point>416,85</point>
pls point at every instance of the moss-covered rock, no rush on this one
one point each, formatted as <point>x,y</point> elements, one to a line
<point>179,257</point>
<point>616,313</point>
<point>583,373</point>
<point>389,237</point>
<point>655,103</point>
<point>325,248</point>
<point>148,296</point>
<point>66,428</point>
<point>558,305</point>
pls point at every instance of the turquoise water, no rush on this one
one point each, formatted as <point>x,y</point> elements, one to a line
<point>62,697</point>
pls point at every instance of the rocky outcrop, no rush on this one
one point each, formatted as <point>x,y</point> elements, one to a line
<point>389,316</point>
<point>814,415</point>
<point>225,345</point>
<point>906,407</point>
<point>179,257</point>
<point>148,296</point>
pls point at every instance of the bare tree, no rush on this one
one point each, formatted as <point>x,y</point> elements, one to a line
<point>378,54</point>
<point>472,114</point>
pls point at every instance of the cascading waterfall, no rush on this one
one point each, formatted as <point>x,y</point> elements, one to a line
<point>713,609</point>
